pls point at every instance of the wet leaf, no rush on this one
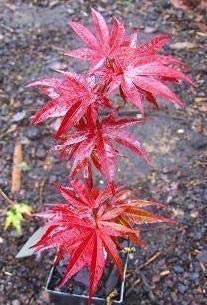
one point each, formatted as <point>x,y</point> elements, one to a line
<point>89,225</point>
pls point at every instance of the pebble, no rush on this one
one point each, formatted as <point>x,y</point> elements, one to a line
<point>149,29</point>
<point>202,256</point>
<point>4,109</point>
<point>182,288</point>
<point>19,116</point>
<point>28,101</point>
<point>194,214</point>
<point>40,153</point>
<point>180,131</point>
<point>205,195</point>
<point>70,11</point>
<point>194,276</point>
<point>33,133</point>
<point>156,278</point>
<point>199,141</point>
<point>178,269</point>
<point>16,302</point>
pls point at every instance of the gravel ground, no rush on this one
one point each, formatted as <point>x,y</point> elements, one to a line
<point>171,269</point>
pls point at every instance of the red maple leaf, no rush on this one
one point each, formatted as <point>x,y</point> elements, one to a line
<point>141,73</point>
<point>96,143</point>
<point>89,225</point>
<point>70,97</point>
<point>104,44</point>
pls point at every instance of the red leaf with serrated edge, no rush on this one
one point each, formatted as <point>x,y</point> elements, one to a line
<point>156,87</point>
<point>82,53</point>
<point>111,248</point>
<point>97,264</point>
<point>47,82</point>
<point>89,236</point>
<point>70,196</point>
<point>71,95</point>
<point>50,110</point>
<point>133,95</point>
<point>83,151</point>
<point>73,115</point>
<point>107,157</point>
<point>116,35</point>
<point>156,69</point>
<point>78,259</point>
<point>100,47</point>
<point>128,140</point>
<point>96,144</point>
<point>154,45</point>
<point>84,34</point>
<point>101,28</point>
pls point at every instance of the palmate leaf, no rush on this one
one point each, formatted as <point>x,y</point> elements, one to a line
<point>145,79</point>
<point>15,216</point>
<point>97,144</point>
<point>141,73</point>
<point>90,224</point>
<point>101,46</point>
<point>71,96</point>
<point>138,70</point>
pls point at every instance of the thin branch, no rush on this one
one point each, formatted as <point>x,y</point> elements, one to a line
<point>6,197</point>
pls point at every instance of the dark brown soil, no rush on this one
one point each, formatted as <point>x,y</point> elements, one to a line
<point>33,35</point>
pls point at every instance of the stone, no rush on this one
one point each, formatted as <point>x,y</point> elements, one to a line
<point>40,153</point>
<point>178,269</point>
<point>19,116</point>
<point>33,133</point>
<point>16,302</point>
<point>199,141</point>
<point>202,256</point>
<point>182,288</point>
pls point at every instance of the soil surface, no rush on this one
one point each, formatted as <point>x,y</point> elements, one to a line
<point>171,269</point>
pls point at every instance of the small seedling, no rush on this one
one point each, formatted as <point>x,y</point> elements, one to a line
<point>90,223</point>
<point>15,216</point>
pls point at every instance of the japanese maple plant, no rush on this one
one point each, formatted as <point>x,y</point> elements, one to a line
<point>88,227</point>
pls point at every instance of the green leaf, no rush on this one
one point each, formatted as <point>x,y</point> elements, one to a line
<point>23,208</point>
<point>15,216</point>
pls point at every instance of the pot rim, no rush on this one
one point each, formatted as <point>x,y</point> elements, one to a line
<point>83,296</point>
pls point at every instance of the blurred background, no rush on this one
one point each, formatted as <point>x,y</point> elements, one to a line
<point>171,269</point>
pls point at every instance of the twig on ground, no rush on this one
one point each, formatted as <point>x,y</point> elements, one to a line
<point>150,260</point>
<point>41,189</point>
<point>6,27</point>
<point>164,273</point>
<point>48,163</point>
<point>17,168</point>
<point>8,131</point>
<point>6,197</point>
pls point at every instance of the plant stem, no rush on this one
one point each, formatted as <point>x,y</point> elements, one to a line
<point>6,197</point>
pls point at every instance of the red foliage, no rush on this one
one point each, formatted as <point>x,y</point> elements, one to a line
<point>138,71</point>
<point>90,224</point>
<point>70,96</point>
<point>87,227</point>
<point>94,143</point>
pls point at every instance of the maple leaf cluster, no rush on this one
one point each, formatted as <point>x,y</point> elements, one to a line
<point>90,223</point>
<point>88,226</point>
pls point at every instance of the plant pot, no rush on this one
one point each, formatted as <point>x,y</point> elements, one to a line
<point>63,298</point>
